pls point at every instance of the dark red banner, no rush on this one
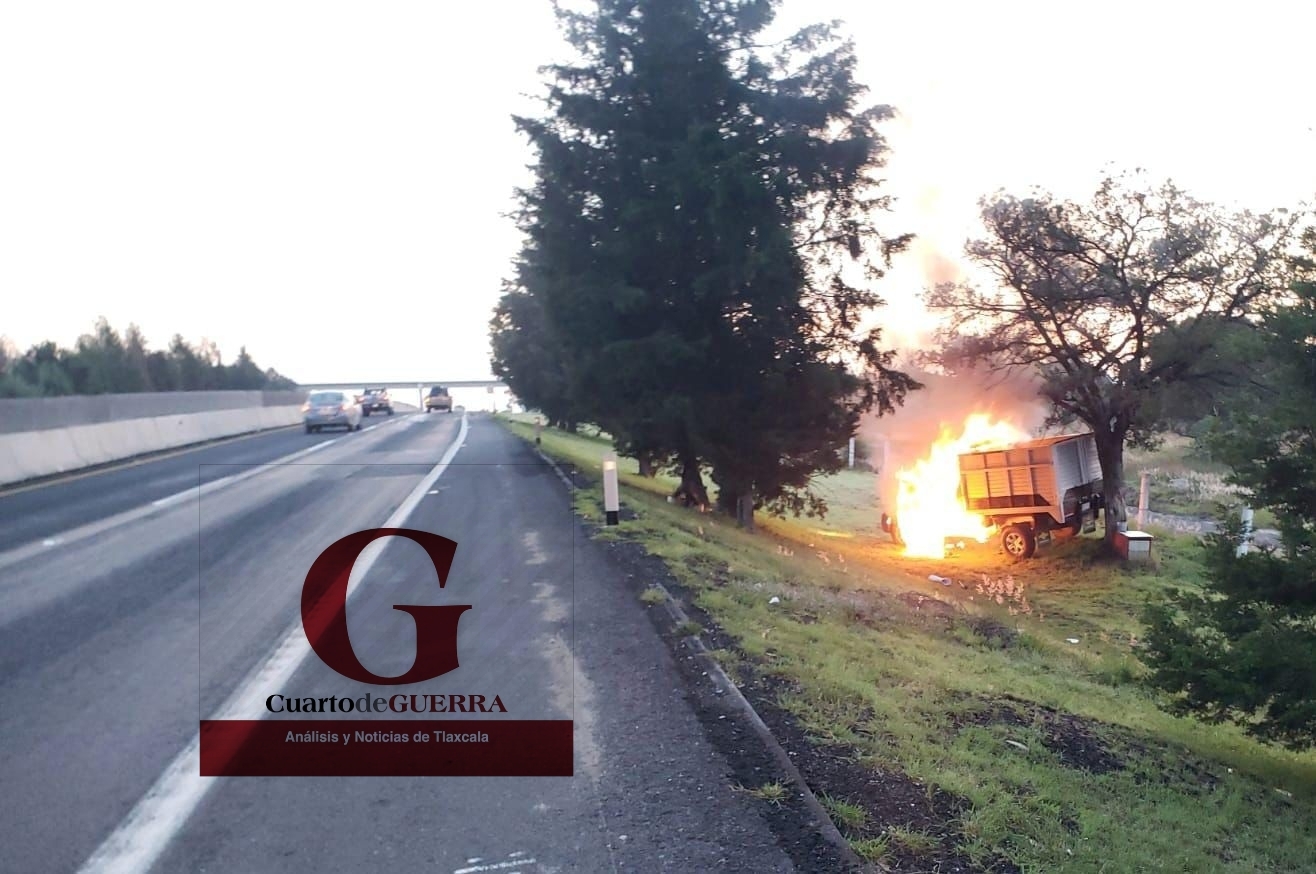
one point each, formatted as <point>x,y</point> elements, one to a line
<point>386,748</point>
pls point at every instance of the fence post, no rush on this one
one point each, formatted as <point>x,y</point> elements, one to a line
<point>1142,501</point>
<point>1246,516</point>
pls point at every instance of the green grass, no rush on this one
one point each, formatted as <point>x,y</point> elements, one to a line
<point>848,817</point>
<point>911,839</point>
<point>909,688</point>
<point>873,850</point>
<point>773,793</point>
<point>652,596</point>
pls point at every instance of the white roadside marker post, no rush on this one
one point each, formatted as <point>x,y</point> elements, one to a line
<point>1246,516</point>
<point>851,452</point>
<point>1142,502</point>
<point>611,495</point>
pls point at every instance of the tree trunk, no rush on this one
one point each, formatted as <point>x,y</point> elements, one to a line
<point>646,465</point>
<point>738,503</point>
<point>691,491</point>
<point>728,501</point>
<point>1110,450</point>
<point>745,514</point>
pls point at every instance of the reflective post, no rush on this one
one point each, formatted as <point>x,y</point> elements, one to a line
<point>851,452</point>
<point>1142,502</point>
<point>611,495</point>
<point>1246,516</point>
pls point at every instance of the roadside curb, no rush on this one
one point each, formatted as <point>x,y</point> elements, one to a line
<point>826,826</point>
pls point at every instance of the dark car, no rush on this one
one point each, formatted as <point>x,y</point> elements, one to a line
<point>375,400</point>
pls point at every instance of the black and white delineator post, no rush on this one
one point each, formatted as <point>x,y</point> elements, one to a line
<point>611,495</point>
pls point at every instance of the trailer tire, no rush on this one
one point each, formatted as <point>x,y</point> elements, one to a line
<point>1019,541</point>
<point>891,527</point>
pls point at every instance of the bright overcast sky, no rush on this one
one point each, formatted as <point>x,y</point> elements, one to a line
<point>325,182</point>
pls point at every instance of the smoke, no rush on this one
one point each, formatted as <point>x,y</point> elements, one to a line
<point>945,401</point>
<point>937,268</point>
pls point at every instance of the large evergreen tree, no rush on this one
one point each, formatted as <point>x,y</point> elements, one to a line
<point>697,201</point>
<point>1244,648</point>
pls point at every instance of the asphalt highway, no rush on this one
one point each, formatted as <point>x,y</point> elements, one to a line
<point>133,605</point>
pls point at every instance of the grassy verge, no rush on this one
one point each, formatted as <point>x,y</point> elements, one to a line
<point>1014,689</point>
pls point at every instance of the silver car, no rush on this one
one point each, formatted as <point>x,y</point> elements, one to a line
<point>331,409</point>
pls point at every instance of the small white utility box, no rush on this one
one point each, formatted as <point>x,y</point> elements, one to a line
<point>1133,545</point>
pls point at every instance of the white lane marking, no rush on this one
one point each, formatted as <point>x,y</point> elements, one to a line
<point>164,810</point>
<point>229,480</point>
<point>530,540</point>
<point>557,470</point>
<point>495,866</point>
<point>50,541</point>
<point>517,853</point>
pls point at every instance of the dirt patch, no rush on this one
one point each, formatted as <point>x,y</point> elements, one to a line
<point>994,632</point>
<point>1073,739</point>
<point>888,799</point>
<point>927,604</point>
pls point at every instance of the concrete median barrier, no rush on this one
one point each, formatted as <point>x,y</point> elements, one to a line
<point>42,437</point>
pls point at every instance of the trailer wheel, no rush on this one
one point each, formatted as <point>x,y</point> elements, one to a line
<point>890,527</point>
<point>1019,541</point>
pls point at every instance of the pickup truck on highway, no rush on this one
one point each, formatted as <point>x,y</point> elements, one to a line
<point>438,399</point>
<point>375,399</point>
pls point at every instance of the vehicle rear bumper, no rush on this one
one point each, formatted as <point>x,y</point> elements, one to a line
<point>342,420</point>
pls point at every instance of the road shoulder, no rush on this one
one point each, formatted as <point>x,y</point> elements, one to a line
<point>754,755</point>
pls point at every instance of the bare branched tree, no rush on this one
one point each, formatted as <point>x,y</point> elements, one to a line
<point>1083,289</point>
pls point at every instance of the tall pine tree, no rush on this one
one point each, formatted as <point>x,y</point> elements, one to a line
<point>1244,648</point>
<point>698,202</point>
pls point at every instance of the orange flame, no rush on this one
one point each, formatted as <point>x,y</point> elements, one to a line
<point>929,510</point>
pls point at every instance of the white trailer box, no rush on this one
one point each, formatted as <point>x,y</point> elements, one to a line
<point>1029,488</point>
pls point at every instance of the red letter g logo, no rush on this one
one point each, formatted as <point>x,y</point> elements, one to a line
<point>324,610</point>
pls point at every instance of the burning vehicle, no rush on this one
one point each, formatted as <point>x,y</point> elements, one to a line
<point>993,480</point>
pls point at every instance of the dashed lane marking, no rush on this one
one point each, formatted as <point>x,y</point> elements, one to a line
<point>498,866</point>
